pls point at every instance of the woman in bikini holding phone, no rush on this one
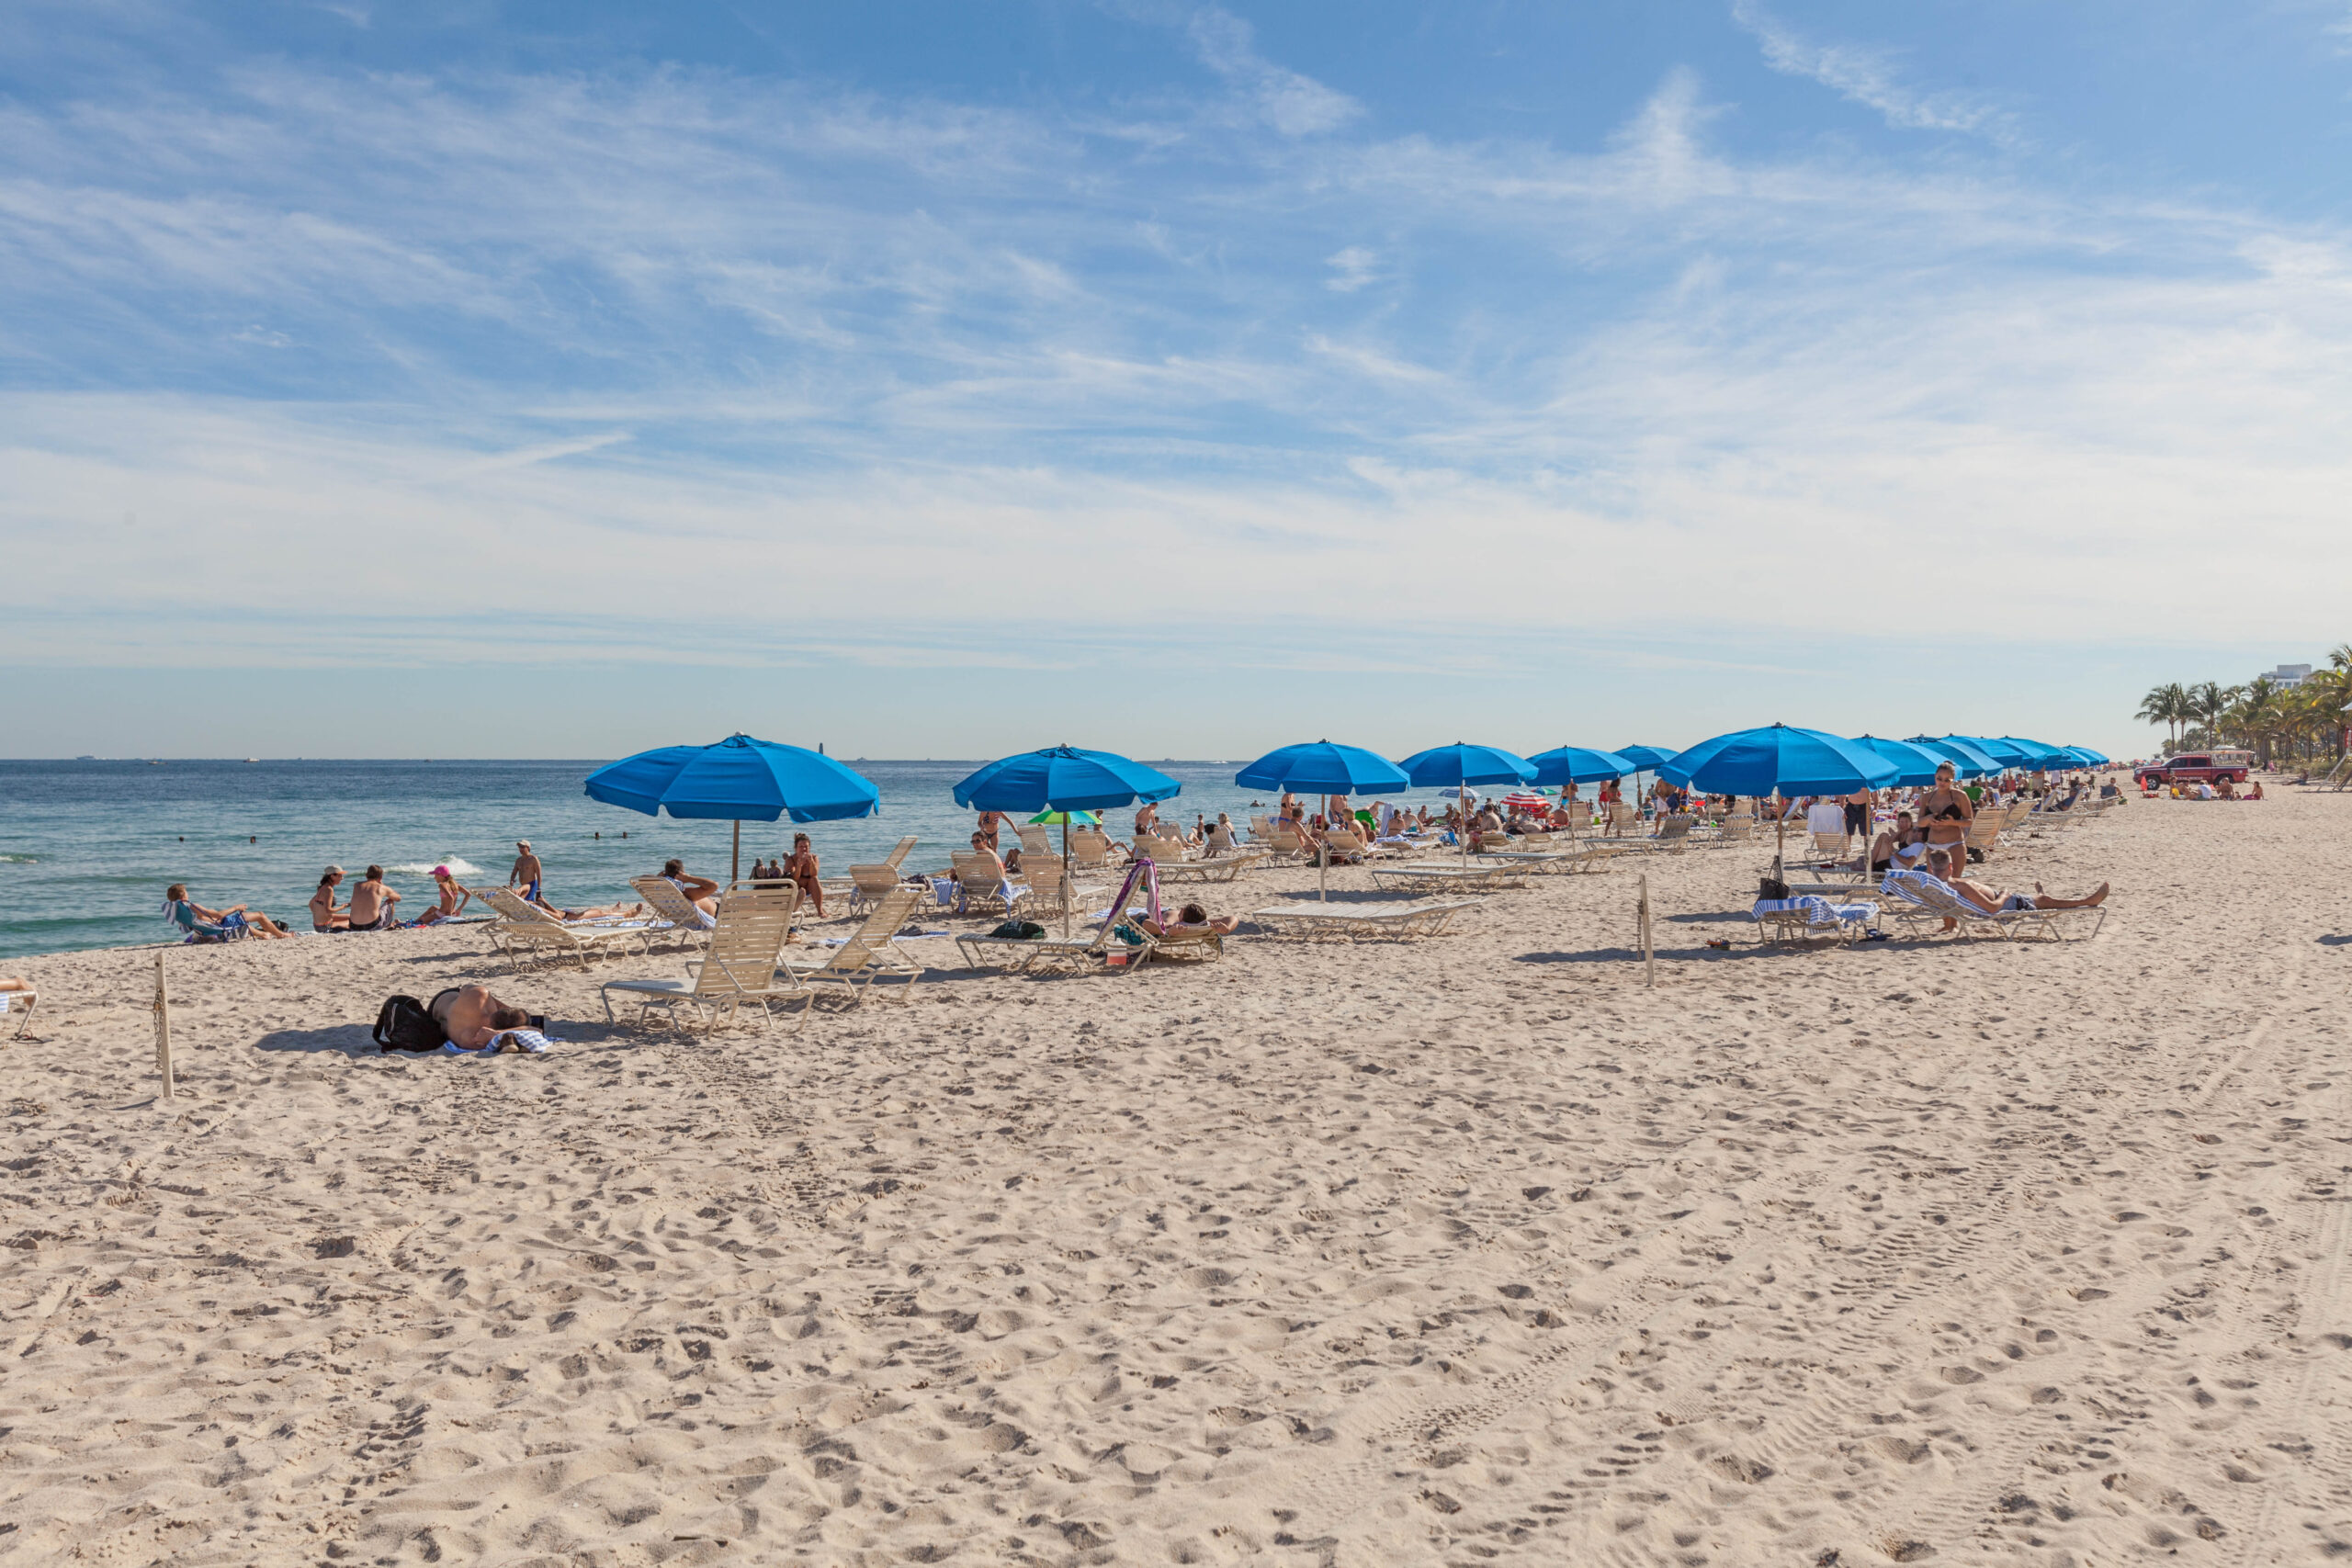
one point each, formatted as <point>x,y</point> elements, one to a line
<point>1946,812</point>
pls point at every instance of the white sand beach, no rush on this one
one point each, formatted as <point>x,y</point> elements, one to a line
<point>1470,1251</point>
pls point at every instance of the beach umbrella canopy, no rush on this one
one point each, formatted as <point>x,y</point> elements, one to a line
<point>2086,755</point>
<point>1778,758</point>
<point>1083,819</point>
<point>1581,764</point>
<point>1966,761</point>
<point>1460,765</point>
<point>1644,756</point>
<point>738,779</point>
<point>1917,763</point>
<point>1527,800</point>
<point>2040,753</point>
<point>2004,754</point>
<point>1321,767</point>
<point>1062,778</point>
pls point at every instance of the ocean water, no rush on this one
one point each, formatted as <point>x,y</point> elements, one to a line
<point>87,848</point>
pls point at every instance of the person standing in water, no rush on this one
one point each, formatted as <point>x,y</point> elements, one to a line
<point>528,874</point>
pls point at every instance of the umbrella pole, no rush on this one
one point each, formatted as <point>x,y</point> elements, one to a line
<point>1323,872</point>
<point>735,860</point>
<point>1780,833</point>
<point>1068,891</point>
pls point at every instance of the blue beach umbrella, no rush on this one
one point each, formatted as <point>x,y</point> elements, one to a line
<point>2040,753</point>
<point>1917,763</point>
<point>1644,756</point>
<point>1581,764</point>
<point>738,779</point>
<point>1062,778</point>
<point>1966,761</point>
<point>1321,767</point>
<point>1459,766</point>
<point>1779,760</point>
<point>2005,754</point>
<point>2091,758</point>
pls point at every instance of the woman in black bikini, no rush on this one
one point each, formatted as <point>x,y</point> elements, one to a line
<point>1945,813</point>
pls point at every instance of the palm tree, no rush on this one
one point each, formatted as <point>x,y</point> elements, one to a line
<point>2168,706</point>
<point>2209,702</point>
<point>2259,715</point>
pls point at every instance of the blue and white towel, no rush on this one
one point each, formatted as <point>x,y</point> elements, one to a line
<point>1816,910</point>
<point>525,1040</point>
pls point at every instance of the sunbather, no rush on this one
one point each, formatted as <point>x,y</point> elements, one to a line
<point>217,925</point>
<point>1991,903</point>
<point>472,1017</point>
<point>454,897</point>
<point>326,915</point>
<point>1193,920</point>
<point>700,891</point>
<point>372,903</point>
<point>1902,844</point>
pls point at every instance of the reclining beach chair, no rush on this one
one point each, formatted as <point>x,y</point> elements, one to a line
<point>1090,848</point>
<point>1811,915</point>
<point>1317,922</point>
<point>1984,833</point>
<point>869,881</point>
<point>682,918</point>
<point>1214,868</point>
<point>1922,902</point>
<point>739,965</point>
<point>526,928</point>
<point>1736,829</point>
<point>1485,876</point>
<point>1113,934</point>
<point>870,953</point>
<point>979,889</point>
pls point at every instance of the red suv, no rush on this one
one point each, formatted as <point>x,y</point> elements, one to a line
<point>2195,767</point>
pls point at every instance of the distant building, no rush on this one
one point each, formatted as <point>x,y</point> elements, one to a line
<point>2291,675</point>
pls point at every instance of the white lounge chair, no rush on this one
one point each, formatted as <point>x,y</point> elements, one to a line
<point>686,919</point>
<point>22,1002</point>
<point>526,928</point>
<point>1811,915</point>
<point>1022,954</point>
<point>980,885</point>
<point>1358,923</point>
<point>737,966</point>
<point>871,953</point>
<point>1478,876</point>
<point>1215,868</point>
<point>1921,902</point>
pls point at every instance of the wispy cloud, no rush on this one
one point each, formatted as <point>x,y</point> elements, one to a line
<point>1291,103</point>
<point>1870,77</point>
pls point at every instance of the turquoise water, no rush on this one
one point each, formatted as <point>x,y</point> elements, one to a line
<point>87,848</point>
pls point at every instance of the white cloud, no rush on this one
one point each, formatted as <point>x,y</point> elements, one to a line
<point>1292,104</point>
<point>1869,76</point>
<point>1351,267</point>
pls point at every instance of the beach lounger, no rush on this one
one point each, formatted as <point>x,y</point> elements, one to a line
<point>872,952</point>
<point>1738,829</point>
<point>1984,833</point>
<point>1024,955</point>
<point>683,917</point>
<point>1922,903</point>
<point>1049,893</point>
<point>1215,868</point>
<point>1592,857</point>
<point>1036,842</point>
<point>526,928</point>
<point>737,966</point>
<point>19,1002</point>
<point>1196,946</point>
<point>868,882</point>
<point>980,886</point>
<point>1811,915</point>
<point>1090,848</point>
<point>1478,876</point>
<point>1359,922</point>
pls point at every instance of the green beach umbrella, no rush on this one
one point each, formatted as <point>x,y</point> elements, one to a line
<point>1083,818</point>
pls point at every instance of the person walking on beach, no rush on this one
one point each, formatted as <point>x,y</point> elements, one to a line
<point>371,903</point>
<point>326,915</point>
<point>527,874</point>
<point>1945,813</point>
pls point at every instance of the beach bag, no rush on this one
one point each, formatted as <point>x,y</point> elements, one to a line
<point>1026,930</point>
<point>403,1024</point>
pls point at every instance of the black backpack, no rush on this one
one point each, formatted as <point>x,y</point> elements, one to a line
<point>403,1024</point>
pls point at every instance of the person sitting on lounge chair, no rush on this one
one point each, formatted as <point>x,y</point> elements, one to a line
<point>1220,839</point>
<point>473,1018</point>
<point>1900,847</point>
<point>700,891</point>
<point>1193,920</point>
<point>1991,903</point>
<point>217,925</point>
<point>454,897</point>
<point>802,869</point>
<point>372,902</point>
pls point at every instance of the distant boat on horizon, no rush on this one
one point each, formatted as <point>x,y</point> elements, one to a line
<point>252,759</point>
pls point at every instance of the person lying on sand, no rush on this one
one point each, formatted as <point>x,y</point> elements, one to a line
<point>1193,920</point>
<point>217,925</point>
<point>472,1017</point>
<point>1991,903</point>
<point>454,897</point>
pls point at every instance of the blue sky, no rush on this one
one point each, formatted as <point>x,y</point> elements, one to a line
<point>477,379</point>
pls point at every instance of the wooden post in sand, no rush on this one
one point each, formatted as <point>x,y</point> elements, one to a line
<point>1649,955</point>
<point>163,1027</point>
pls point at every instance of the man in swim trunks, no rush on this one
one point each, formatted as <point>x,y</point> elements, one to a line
<point>1991,903</point>
<point>472,1017</point>
<point>526,874</point>
<point>371,903</point>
